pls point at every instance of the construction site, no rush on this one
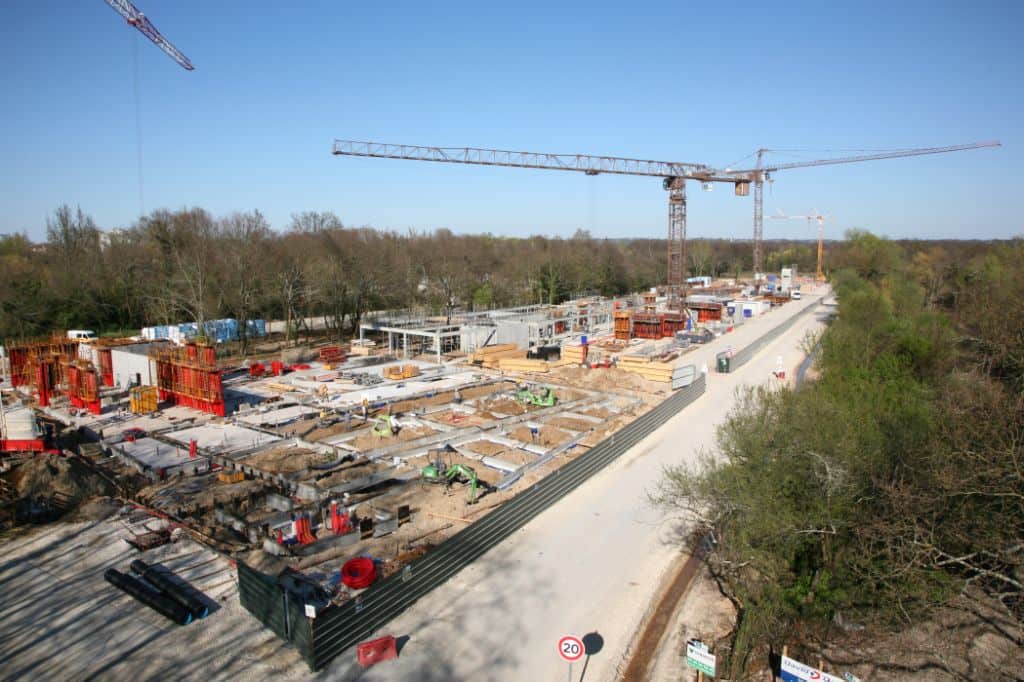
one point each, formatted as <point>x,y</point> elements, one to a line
<point>347,462</point>
<point>266,502</point>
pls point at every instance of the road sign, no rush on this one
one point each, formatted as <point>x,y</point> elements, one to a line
<point>570,648</point>
<point>795,671</point>
<point>698,658</point>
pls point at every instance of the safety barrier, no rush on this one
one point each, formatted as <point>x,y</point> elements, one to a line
<point>743,356</point>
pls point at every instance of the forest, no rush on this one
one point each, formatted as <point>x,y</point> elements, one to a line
<point>893,484</point>
<point>187,265</point>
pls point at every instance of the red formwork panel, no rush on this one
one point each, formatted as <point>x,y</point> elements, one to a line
<point>106,366</point>
<point>672,323</point>
<point>646,326</point>
<point>20,372</point>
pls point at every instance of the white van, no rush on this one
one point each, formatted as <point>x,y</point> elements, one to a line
<point>81,334</point>
<point>795,295</point>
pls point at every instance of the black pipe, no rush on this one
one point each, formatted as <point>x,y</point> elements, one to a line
<point>170,588</point>
<point>163,605</point>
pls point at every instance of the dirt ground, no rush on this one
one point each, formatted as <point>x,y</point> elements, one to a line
<point>504,405</point>
<point>548,436</point>
<point>351,472</point>
<point>460,418</point>
<point>499,451</point>
<point>449,396</point>
<point>571,424</point>
<point>599,412</point>
<point>286,460</point>
<point>371,441</point>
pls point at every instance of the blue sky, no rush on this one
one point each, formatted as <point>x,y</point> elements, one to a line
<point>275,83</point>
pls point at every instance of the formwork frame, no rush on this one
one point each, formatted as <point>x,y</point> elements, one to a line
<point>189,376</point>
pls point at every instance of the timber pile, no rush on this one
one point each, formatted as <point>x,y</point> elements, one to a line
<point>490,356</point>
<point>364,347</point>
<point>647,367</point>
<point>573,353</point>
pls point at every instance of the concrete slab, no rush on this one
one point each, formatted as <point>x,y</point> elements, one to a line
<point>150,454</point>
<point>59,620</point>
<point>223,438</point>
<point>278,417</point>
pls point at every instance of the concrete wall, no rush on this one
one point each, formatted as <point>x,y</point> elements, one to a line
<point>126,364</point>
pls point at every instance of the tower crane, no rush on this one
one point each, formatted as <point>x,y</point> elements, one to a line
<point>674,176</point>
<point>139,20</point>
<point>761,172</point>
<point>819,275</point>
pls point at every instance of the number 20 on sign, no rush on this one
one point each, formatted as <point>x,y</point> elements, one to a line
<point>570,648</point>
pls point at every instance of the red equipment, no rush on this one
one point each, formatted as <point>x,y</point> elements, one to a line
<point>358,573</point>
<point>376,650</point>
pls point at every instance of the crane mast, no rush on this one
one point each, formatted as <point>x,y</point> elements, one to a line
<point>674,174</point>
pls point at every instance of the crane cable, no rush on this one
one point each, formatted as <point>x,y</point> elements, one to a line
<point>134,37</point>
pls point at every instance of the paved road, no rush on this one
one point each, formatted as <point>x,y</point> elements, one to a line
<point>591,563</point>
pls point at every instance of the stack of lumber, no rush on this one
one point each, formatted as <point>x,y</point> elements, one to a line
<point>573,353</point>
<point>410,371</point>
<point>394,372</point>
<point>488,356</point>
<point>521,364</point>
<point>363,347</point>
<point>647,367</point>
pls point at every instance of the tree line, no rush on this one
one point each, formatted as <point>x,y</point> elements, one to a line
<point>187,265</point>
<point>893,483</point>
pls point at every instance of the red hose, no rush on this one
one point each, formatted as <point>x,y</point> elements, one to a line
<point>358,573</point>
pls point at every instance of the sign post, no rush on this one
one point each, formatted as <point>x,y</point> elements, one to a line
<point>571,649</point>
<point>699,658</point>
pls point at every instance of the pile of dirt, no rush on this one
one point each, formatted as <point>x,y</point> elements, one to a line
<point>71,476</point>
<point>504,406</point>
<point>606,380</point>
<point>288,459</point>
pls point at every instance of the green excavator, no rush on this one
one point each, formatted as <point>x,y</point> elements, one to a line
<point>385,427</point>
<point>437,472</point>
<point>543,397</point>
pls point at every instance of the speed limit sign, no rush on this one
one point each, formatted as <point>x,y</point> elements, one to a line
<point>570,648</point>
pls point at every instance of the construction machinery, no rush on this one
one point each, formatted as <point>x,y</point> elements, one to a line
<point>674,176</point>
<point>386,426</point>
<point>819,276</point>
<point>543,397</point>
<point>439,472</point>
<point>137,19</point>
